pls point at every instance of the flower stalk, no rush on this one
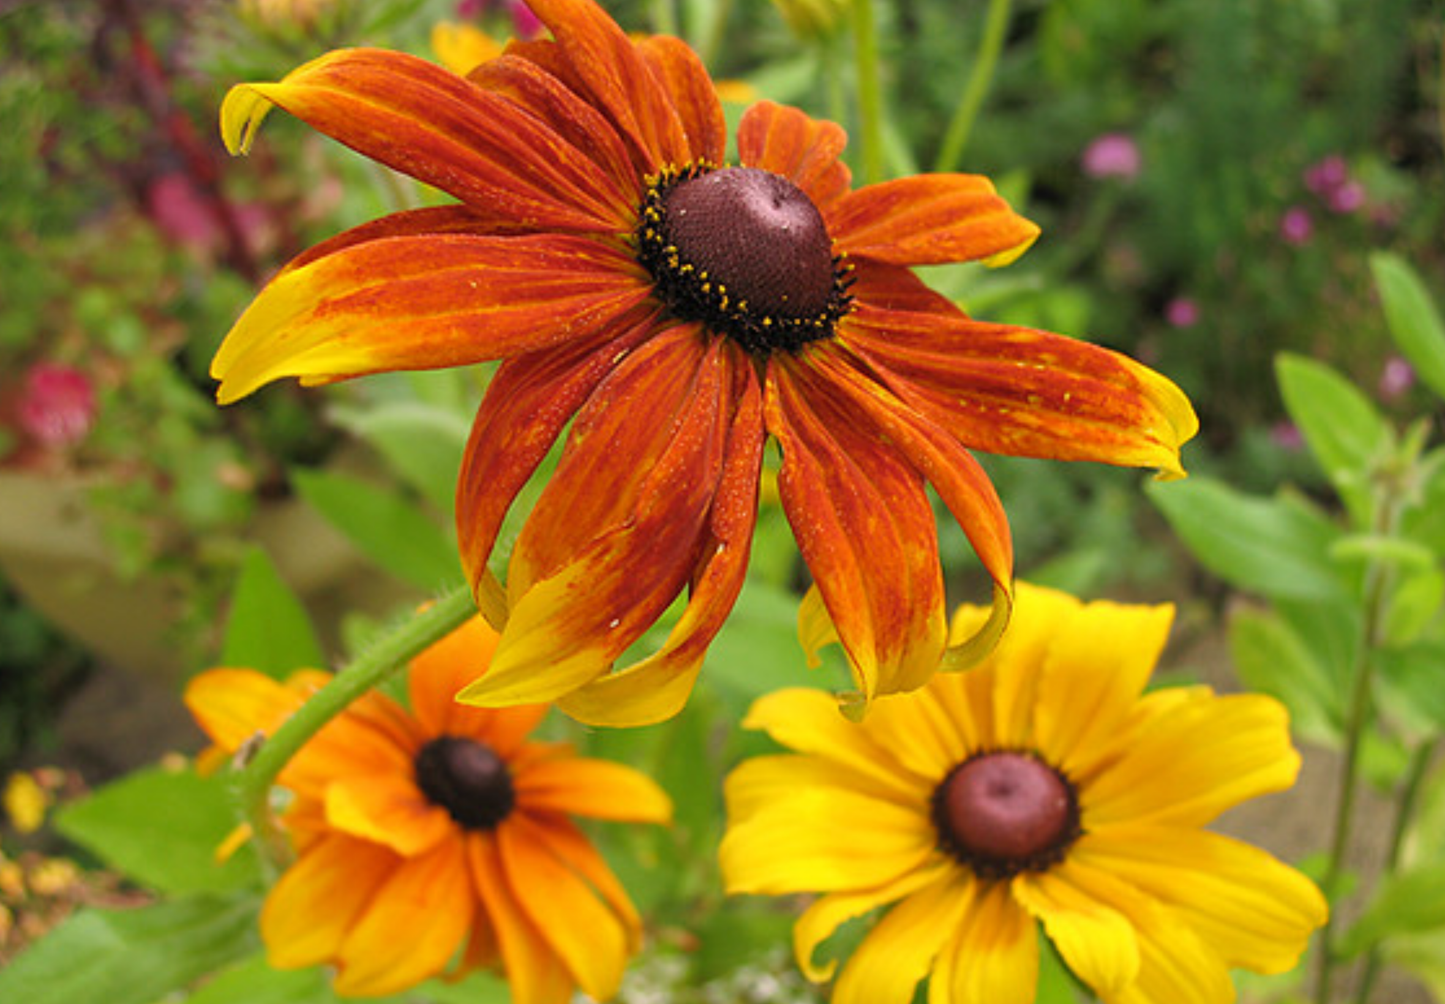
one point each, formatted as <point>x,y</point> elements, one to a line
<point>373,666</point>
<point>870,90</point>
<point>985,61</point>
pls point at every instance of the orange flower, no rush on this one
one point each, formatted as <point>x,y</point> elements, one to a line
<point>679,313</point>
<point>438,840</point>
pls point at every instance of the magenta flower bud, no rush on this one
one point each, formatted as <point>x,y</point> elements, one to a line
<point>1396,378</point>
<point>1324,177</point>
<point>1113,155</point>
<point>1182,312</point>
<point>57,406</point>
<point>1347,198</point>
<point>1296,226</point>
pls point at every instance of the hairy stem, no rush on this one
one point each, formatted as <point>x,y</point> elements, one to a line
<point>870,90</point>
<point>980,78</point>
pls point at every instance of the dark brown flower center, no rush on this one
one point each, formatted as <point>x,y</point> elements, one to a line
<point>468,779</point>
<point>744,251</point>
<point>1002,813</point>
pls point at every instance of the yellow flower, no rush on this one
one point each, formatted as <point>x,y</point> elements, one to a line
<point>436,840</point>
<point>25,802</point>
<point>1039,787</point>
<point>461,48</point>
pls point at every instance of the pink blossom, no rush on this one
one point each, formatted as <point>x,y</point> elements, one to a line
<point>1396,378</point>
<point>1325,176</point>
<point>1286,436</point>
<point>1346,198</point>
<point>468,10</point>
<point>524,22</point>
<point>181,213</point>
<point>1182,312</point>
<point>57,405</point>
<point>1296,226</point>
<point>1113,155</point>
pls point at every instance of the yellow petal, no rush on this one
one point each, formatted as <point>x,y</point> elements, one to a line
<point>312,906</point>
<point>994,956</point>
<point>1096,940</point>
<point>899,951</point>
<point>822,918</point>
<point>598,789</point>
<point>387,809</point>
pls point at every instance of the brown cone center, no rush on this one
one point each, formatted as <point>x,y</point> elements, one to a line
<point>757,235</point>
<point>468,779</point>
<point>1003,813</point>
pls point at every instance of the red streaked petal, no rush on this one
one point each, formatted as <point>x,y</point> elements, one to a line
<point>657,687</point>
<point>1018,391</point>
<point>865,528</point>
<point>615,535</point>
<point>425,121</point>
<point>455,219</point>
<point>528,403</point>
<point>528,83</point>
<point>617,79</point>
<point>929,219</point>
<point>960,482</point>
<point>687,81</point>
<point>804,150</point>
<point>425,302</point>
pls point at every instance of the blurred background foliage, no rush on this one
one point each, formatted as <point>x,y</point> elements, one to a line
<point>1211,177</point>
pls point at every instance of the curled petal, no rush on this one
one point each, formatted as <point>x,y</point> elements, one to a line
<point>530,400</point>
<point>930,219</point>
<point>804,150</point>
<point>618,79</point>
<point>427,122</point>
<point>606,550</point>
<point>1017,391</point>
<point>422,303</point>
<point>656,688</point>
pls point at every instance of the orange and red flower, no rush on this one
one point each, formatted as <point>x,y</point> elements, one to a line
<point>679,312</point>
<point>439,839</point>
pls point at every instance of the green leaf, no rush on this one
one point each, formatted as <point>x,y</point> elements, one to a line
<point>1270,547</point>
<point>387,528</point>
<point>1406,902</point>
<point>1272,659</point>
<point>1341,427</point>
<point>1414,322</point>
<point>268,629</point>
<point>422,443</point>
<point>136,956</point>
<point>254,981</point>
<point>1414,606</point>
<point>1423,957</point>
<point>1411,688</point>
<point>757,650</point>
<point>161,828</point>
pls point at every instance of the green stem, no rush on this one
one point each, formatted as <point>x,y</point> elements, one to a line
<point>664,17</point>
<point>712,32</point>
<point>1404,812</point>
<point>870,90</point>
<point>1357,722</point>
<point>985,61</point>
<point>374,665</point>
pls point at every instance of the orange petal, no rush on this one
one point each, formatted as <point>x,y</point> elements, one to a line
<point>373,736</point>
<point>233,706</point>
<point>425,302</point>
<point>598,789</point>
<point>454,219</point>
<point>1017,391</point>
<point>657,687</point>
<point>413,926</point>
<point>960,482</point>
<point>614,537</point>
<point>425,121</point>
<point>530,85</point>
<point>693,95</point>
<point>865,528</point>
<point>435,676</point>
<point>387,809</point>
<point>804,150</point>
<point>535,973</point>
<point>617,79</point>
<point>312,906</point>
<point>568,844</point>
<point>929,219</point>
<point>589,938</point>
<point>528,402</point>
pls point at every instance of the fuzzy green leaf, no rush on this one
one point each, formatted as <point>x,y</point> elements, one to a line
<point>268,629</point>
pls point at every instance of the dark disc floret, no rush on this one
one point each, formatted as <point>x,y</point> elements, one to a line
<point>468,779</point>
<point>1005,812</point>
<point>744,251</point>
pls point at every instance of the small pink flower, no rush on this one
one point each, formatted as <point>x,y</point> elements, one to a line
<point>57,405</point>
<point>1182,312</point>
<point>1324,177</point>
<point>524,22</point>
<point>1296,226</point>
<point>1346,198</point>
<point>1286,436</point>
<point>181,213</point>
<point>1396,378</point>
<point>468,10</point>
<point>1113,155</point>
